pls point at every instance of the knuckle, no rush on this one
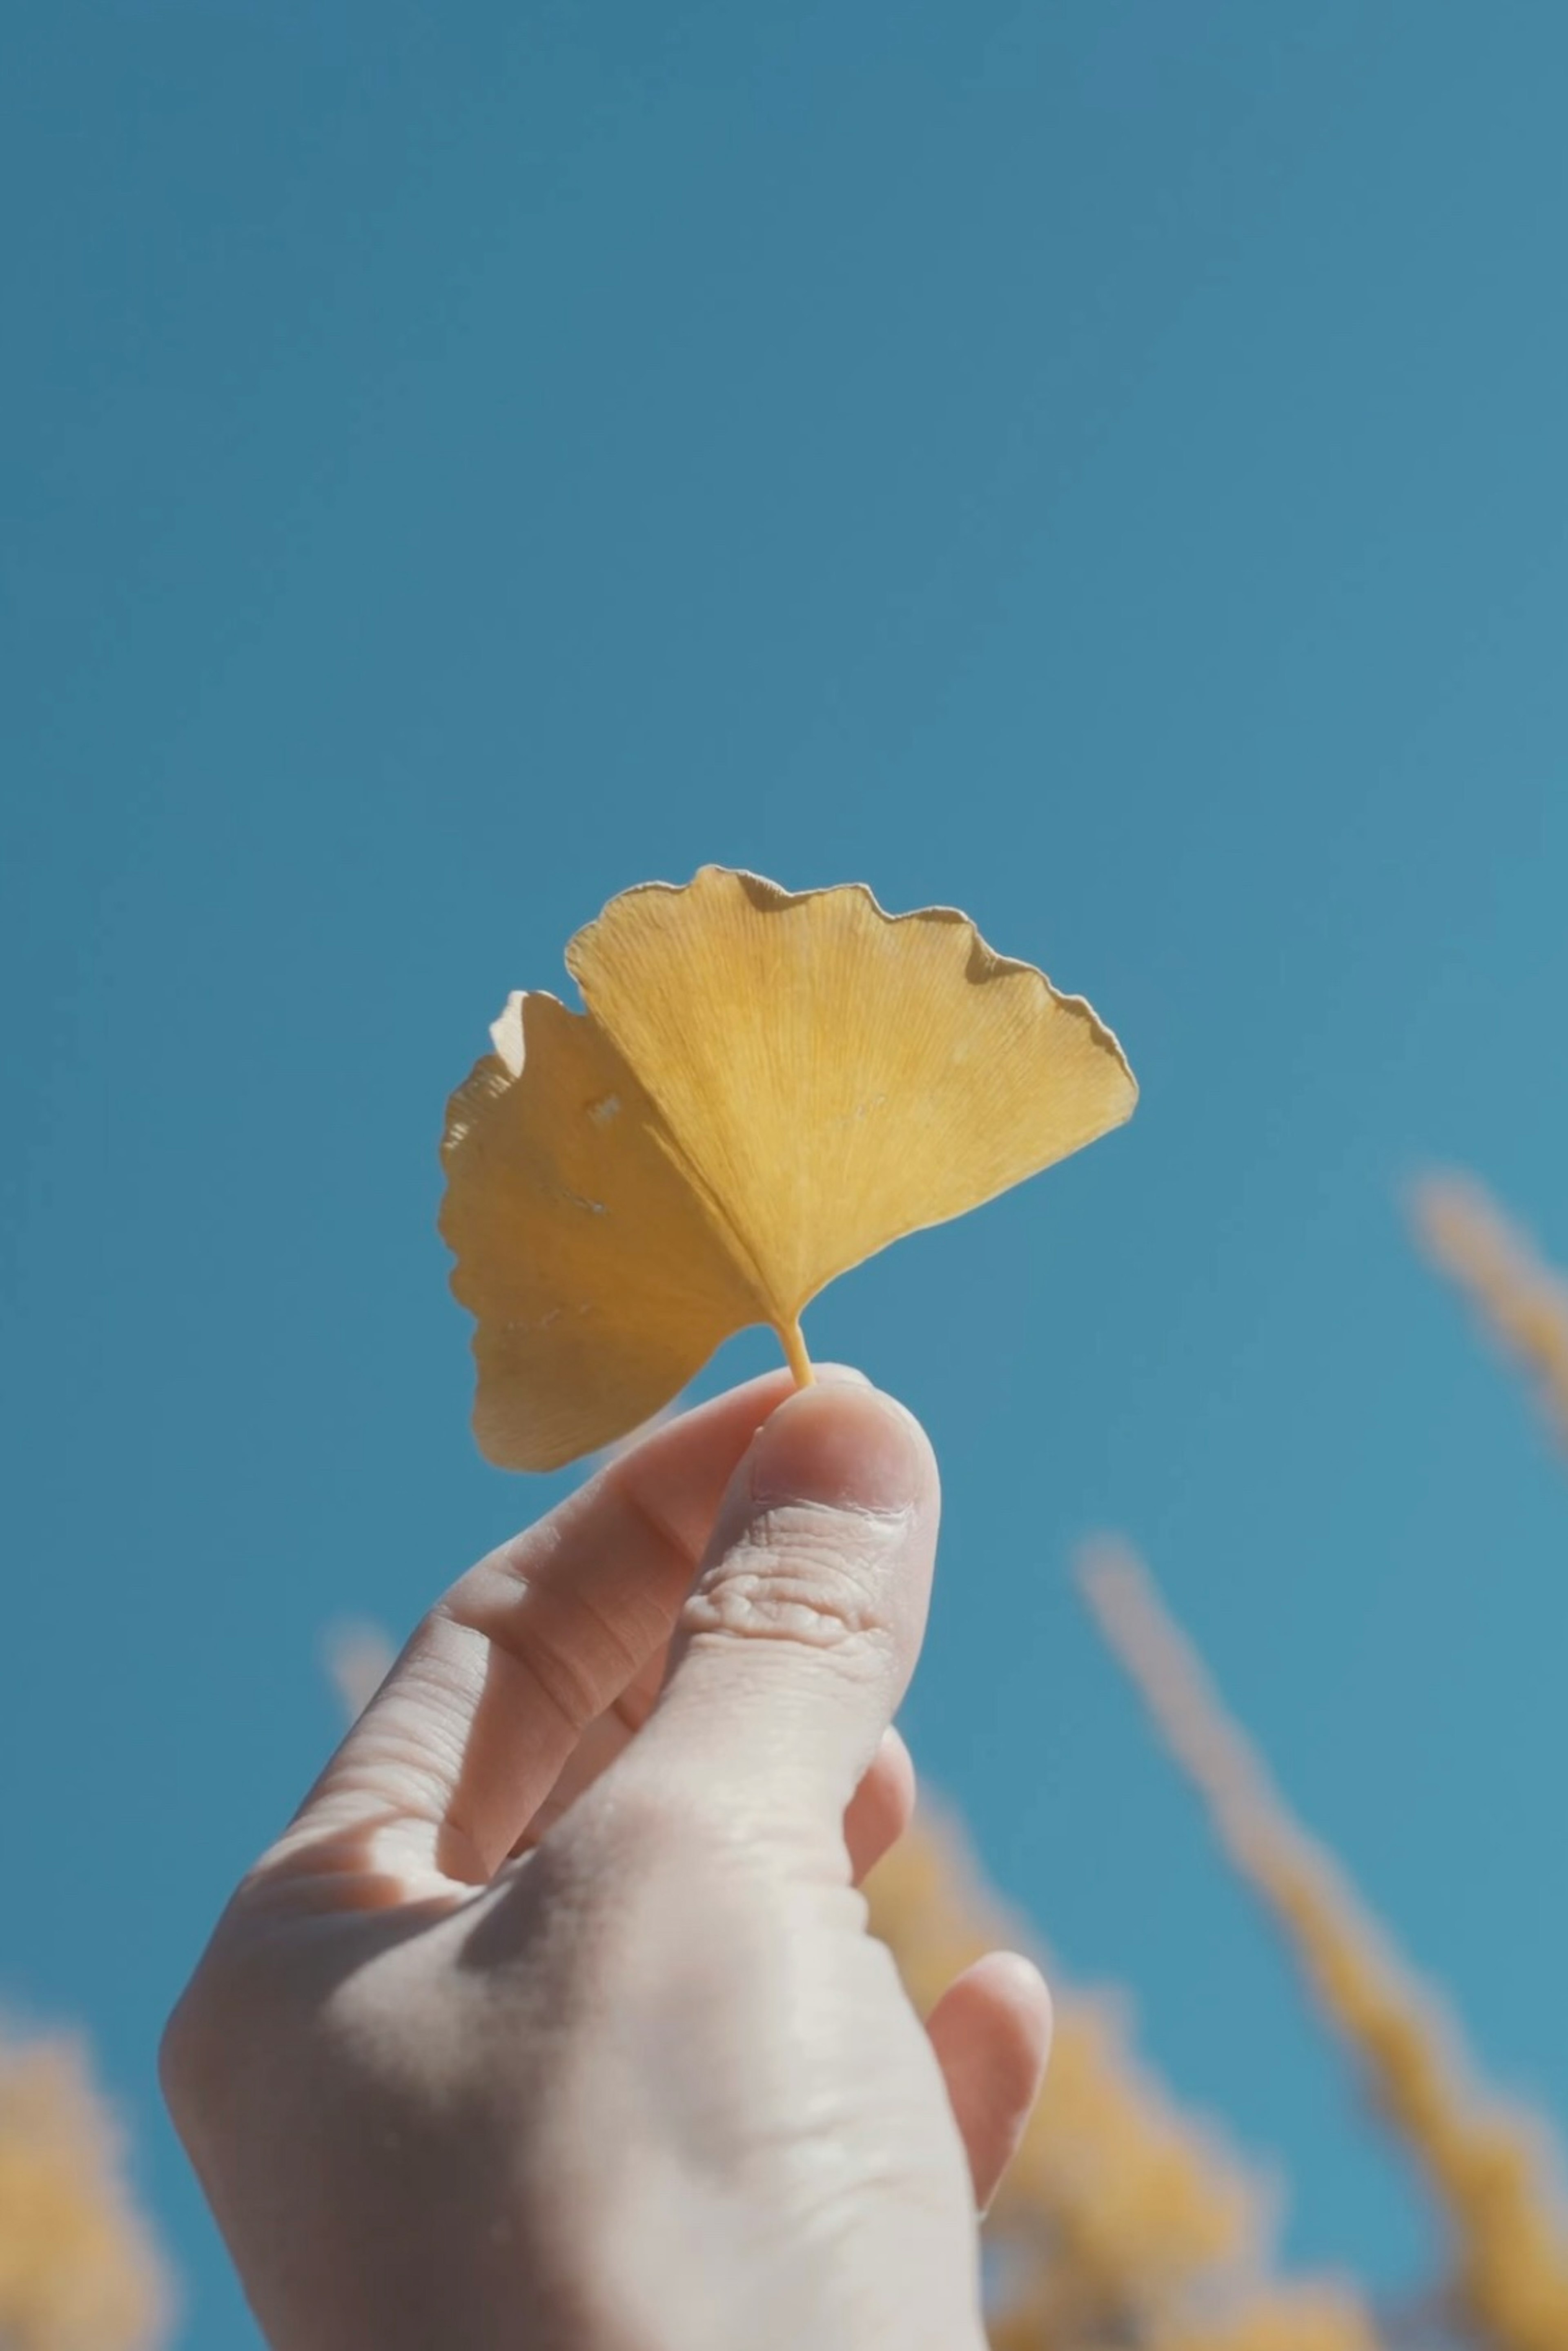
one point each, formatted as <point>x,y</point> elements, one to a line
<point>192,2052</point>
<point>174,2058</point>
<point>798,1574</point>
<point>570,1649</point>
<point>230,2016</point>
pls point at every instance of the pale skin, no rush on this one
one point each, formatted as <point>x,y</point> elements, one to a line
<point>551,2021</point>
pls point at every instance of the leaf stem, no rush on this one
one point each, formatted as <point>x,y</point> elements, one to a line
<point>794,1343</point>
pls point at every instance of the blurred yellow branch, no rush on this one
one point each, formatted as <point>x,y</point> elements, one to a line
<point>1520,1297</point>
<point>78,2271</point>
<point>1122,2220</point>
<point>1282,2318</point>
<point>1490,2168</point>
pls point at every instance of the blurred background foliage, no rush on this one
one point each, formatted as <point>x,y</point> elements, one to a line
<point>80,2268</point>
<point>1126,2223</point>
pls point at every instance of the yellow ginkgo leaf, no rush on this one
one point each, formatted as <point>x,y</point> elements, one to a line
<point>766,1088</point>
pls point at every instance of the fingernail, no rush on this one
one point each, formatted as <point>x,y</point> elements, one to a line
<point>842,1446</point>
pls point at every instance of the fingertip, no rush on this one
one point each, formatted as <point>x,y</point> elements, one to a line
<point>991,2034</point>
<point>844,1445</point>
<point>797,1638</point>
<point>1023,1996</point>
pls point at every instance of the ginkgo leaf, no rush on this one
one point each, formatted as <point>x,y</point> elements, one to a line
<point>765,1088</point>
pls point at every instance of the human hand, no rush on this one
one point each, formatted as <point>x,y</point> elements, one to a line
<point>551,2022</point>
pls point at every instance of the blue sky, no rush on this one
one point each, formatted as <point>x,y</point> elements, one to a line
<point>1098,463</point>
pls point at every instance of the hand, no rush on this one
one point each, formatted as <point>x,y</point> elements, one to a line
<point>551,2022</point>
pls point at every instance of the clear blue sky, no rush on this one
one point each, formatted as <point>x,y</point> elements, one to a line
<point>1101,463</point>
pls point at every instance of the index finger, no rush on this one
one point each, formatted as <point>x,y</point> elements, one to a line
<point>470,1730</point>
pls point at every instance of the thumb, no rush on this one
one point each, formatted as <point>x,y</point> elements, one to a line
<point>802,1630</point>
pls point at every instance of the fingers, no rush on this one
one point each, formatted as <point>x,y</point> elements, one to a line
<point>804,1624</point>
<point>601,1743</point>
<point>991,2033</point>
<point>882,1807</point>
<point>473,1727</point>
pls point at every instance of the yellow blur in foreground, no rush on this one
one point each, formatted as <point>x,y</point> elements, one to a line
<point>77,2267</point>
<point>1492,2169</point>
